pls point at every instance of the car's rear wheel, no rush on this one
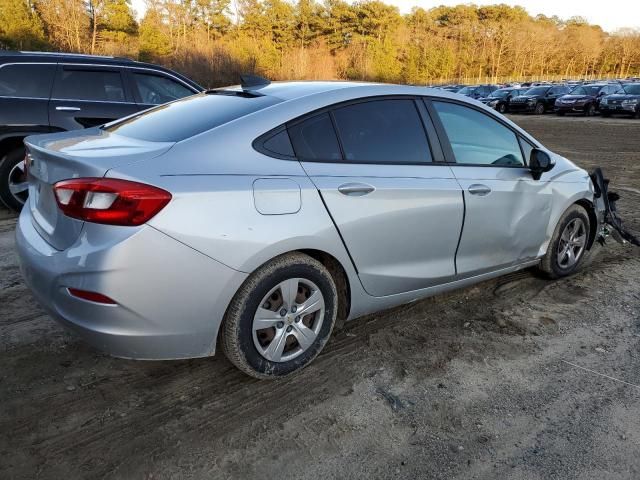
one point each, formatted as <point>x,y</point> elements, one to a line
<point>502,108</point>
<point>14,188</point>
<point>281,317</point>
<point>539,108</point>
<point>568,245</point>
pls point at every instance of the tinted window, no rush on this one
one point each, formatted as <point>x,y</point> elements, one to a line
<point>478,139</point>
<point>26,80</point>
<point>631,89</point>
<point>558,90</point>
<point>155,89</point>
<point>190,116</point>
<point>538,91</point>
<point>387,131</point>
<point>279,144</point>
<point>315,139</point>
<point>102,85</point>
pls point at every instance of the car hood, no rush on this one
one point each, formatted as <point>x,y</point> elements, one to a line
<point>576,97</point>
<point>622,96</point>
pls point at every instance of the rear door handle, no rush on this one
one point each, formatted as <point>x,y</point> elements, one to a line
<point>355,189</point>
<point>479,189</point>
<point>68,109</point>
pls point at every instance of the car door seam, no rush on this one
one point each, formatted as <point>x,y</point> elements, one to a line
<point>464,216</point>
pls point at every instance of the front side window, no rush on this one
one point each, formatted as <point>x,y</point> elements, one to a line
<point>315,139</point>
<point>156,89</point>
<point>477,139</point>
<point>26,81</point>
<point>96,85</point>
<point>382,131</point>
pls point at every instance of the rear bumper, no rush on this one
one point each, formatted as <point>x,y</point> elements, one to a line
<point>170,298</point>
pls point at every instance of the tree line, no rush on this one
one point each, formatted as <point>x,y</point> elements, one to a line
<point>213,41</point>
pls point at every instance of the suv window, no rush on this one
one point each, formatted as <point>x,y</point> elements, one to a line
<point>176,121</point>
<point>477,139</point>
<point>558,90</point>
<point>23,81</point>
<point>101,85</point>
<point>382,131</point>
<point>315,139</point>
<point>157,89</point>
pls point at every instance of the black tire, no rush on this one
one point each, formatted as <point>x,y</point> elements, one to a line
<point>637,114</point>
<point>539,110</point>
<point>549,264</point>
<point>7,175</point>
<point>236,336</point>
<point>502,108</point>
<point>560,114</point>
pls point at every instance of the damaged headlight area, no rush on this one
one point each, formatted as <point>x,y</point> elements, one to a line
<point>606,203</point>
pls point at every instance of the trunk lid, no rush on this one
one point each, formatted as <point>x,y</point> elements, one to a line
<point>85,153</point>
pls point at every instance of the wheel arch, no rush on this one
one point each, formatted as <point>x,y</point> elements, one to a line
<point>593,220</point>
<point>10,143</point>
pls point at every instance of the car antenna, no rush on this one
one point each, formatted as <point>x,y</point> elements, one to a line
<point>253,81</point>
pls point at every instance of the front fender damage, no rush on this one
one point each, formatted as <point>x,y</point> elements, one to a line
<point>605,203</point>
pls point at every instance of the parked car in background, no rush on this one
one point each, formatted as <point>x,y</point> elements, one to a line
<point>626,101</point>
<point>477,91</point>
<point>264,200</point>
<point>52,92</point>
<point>452,88</point>
<point>584,99</point>
<point>500,99</point>
<point>538,100</point>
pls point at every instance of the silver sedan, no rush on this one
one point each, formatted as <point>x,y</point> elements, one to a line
<point>255,217</point>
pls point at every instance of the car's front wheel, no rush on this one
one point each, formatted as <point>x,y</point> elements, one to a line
<point>568,245</point>
<point>539,108</point>
<point>502,108</point>
<point>14,188</point>
<point>281,317</point>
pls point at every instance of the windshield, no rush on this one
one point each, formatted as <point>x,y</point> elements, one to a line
<point>632,89</point>
<point>500,93</point>
<point>467,90</point>
<point>537,91</point>
<point>589,90</point>
<point>182,119</point>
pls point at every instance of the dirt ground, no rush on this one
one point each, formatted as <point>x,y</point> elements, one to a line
<point>516,378</point>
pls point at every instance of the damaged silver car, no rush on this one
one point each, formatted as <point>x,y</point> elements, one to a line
<point>256,217</point>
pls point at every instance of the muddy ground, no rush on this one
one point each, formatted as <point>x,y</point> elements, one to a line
<point>497,381</point>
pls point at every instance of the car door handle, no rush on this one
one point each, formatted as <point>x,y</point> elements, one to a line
<point>355,189</point>
<point>478,189</point>
<point>68,109</point>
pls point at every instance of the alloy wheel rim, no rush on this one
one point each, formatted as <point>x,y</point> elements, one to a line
<point>572,243</point>
<point>18,185</point>
<point>288,320</point>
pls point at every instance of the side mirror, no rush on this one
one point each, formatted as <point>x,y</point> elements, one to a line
<point>539,163</point>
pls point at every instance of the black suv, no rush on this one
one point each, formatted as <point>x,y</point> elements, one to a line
<point>500,99</point>
<point>626,101</point>
<point>584,99</point>
<point>538,99</point>
<point>52,92</point>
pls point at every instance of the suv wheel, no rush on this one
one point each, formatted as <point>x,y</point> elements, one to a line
<point>281,317</point>
<point>568,245</point>
<point>14,188</point>
<point>539,108</point>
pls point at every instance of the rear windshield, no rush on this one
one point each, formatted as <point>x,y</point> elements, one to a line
<point>182,119</point>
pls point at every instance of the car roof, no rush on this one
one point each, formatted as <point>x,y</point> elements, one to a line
<point>9,56</point>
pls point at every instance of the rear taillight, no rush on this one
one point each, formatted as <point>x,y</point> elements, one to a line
<point>91,296</point>
<point>109,200</point>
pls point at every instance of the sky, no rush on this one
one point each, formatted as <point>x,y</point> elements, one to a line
<point>610,16</point>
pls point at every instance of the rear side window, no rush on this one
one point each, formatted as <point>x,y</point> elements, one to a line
<point>477,139</point>
<point>315,139</point>
<point>382,131</point>
<point>182,119</point>
<point>33,81</point>
<point>97,85</point>
<point>156,89</point>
